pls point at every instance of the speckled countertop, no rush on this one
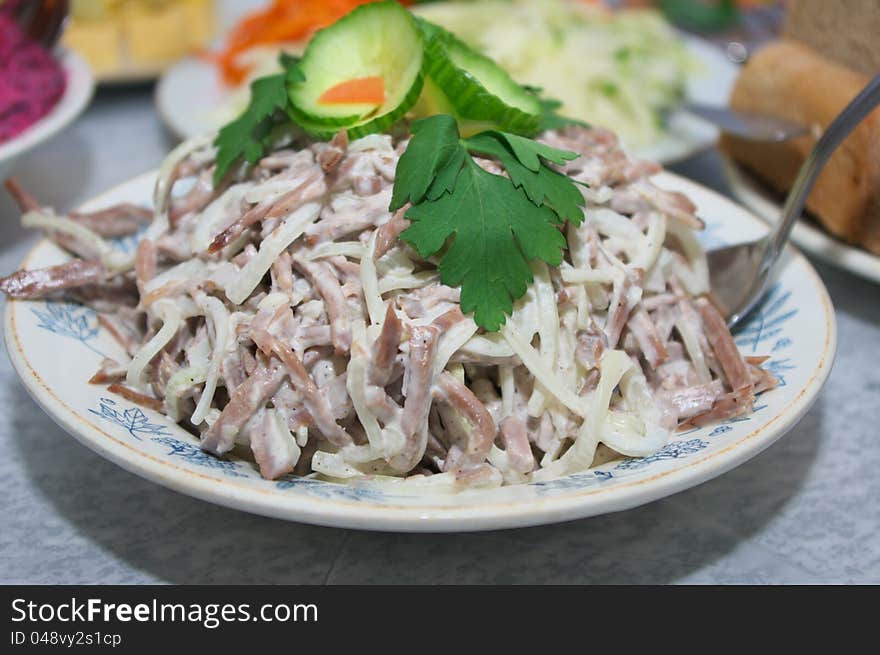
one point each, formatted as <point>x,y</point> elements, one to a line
<point>807,510</point>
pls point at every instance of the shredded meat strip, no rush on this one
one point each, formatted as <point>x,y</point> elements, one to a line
<point>282,272</point>
<point>515,439</point>
<point>109,371</point>
<point>322,277</point>
<point>136,397</point>
<point>643,330</point>
<point>414,421</point>
<point>618,315</point>
<point>41,282</point>
<point>447,319</point>
<point>762,379</point>
<point>244,402</point>
<point>272,446</point>
<point>196,199</point>
<point>273,207</point>
<point>722,343</point>
<point>388,233</point>
<point>334,152</point>
<point>389,342</point>
<point>313,399</point>
<point>691,401</point>
<point>116,221</point>
<point>145,263</point>
<point>23,198</point>
<point>730,405</point>
<point>350,219</point>
<point>480,437</point>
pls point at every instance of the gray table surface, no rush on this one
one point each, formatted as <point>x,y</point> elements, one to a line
<point>807,510</point>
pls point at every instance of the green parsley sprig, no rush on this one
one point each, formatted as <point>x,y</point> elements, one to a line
<point>485,227</point>
<point>246,138</point>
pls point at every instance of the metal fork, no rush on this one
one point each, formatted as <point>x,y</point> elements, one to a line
<point>740,274</point>
<point>746,125</point>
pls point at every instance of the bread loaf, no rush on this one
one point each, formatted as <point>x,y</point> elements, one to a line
<point>847,31</point>
<point>789,80</point>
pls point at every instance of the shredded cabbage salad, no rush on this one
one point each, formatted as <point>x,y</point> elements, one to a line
<point>621,70</point>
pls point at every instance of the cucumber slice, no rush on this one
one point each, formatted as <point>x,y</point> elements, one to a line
<point>480,91</point>
<point>433,101</point>
<point>376,39</point>
<point>322,132</point>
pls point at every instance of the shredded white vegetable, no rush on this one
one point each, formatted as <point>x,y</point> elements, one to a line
<point>548,329</point>
<point>370,285</point>
<point>352,249</point>
<point>356,383</point>
<point>113,260</point>
<point>172,319</point>
<point>620,69</point>
<point>217,216</point>
<point>531,359</point>
<point>218,319</point>
<point>270,248</point>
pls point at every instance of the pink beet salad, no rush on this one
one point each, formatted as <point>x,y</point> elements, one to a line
<point>31,80</point>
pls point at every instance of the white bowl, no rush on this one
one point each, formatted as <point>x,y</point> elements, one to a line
<point>77,93</point>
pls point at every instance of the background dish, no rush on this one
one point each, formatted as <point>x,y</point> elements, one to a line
<point>129,42</point>
<point>190,98</point>
<point>130,75</point>
<point>77,94</point>
<point>796,327</point>
<point>806,233</point>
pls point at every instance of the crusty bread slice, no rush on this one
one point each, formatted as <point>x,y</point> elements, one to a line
<point>789,80</point>
<point>847,31</point>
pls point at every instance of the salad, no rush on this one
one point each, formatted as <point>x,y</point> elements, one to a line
<point>624,70</point>
<point>399,266</point>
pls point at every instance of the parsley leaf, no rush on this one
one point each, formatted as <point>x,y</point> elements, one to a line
<point>292,72</point>
<point>542,185</point>
<point>243,137</point>
<point>247,135</point>
<point>529,152</point>
<point>430,162</point>
<point>487,227</point>
<point>495,231</point>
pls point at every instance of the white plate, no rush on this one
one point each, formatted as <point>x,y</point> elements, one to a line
<point>191,99</point>
<point>55,348</point>
<point>806,234</point>
<point>77,94</point>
